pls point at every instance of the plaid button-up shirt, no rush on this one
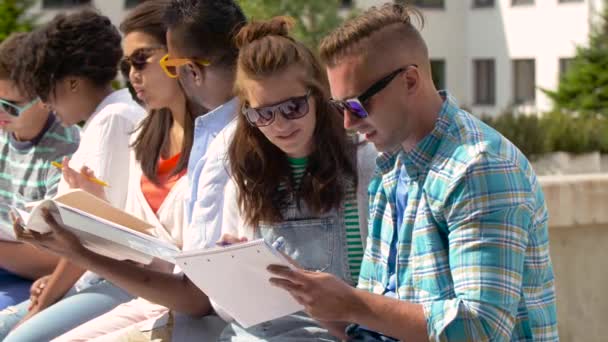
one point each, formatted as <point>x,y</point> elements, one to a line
<point>473,247</point>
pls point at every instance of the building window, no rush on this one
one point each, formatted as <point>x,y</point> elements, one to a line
<point>485,81</point>
<point>438,73</point>
<point>132,3</point>
<point>524,81</point>
<point>63,3</point>
<point>346,3</point>
<point>483,3</point>
<point>564,65</point>
<point>424,3</point>
<point>522,2</point>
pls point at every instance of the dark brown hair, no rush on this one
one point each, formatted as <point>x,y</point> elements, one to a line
<point>83,44</point>
<point>257,165</point>
<point>345,38</point>
<point>154,130</point>
<point>206,29</point>
<point>8,53</point>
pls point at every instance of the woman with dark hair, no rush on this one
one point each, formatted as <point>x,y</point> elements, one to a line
<point>160,147</point>
<point>297,174</point>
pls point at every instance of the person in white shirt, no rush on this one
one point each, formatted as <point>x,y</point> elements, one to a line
<point>159,158</point>
<point>69,64</point>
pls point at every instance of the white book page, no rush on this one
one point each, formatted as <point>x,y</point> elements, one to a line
<point>236,278</point>
<point>113,233</point>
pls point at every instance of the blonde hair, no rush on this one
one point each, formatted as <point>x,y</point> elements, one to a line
<point>344,39</point>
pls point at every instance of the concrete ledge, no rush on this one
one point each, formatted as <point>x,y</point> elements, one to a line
<point>578,232</point>
<point>575,200</point>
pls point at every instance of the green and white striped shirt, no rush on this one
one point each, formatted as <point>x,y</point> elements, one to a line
<point>26,173</point>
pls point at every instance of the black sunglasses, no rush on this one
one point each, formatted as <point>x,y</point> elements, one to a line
<point>356,105</point>
<point>137,60</point>
<point>291,109</point>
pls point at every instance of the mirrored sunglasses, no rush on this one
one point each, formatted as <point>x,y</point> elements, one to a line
<point>291,109</point>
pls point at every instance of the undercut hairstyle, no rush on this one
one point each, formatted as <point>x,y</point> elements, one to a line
<point>155,128</point>
<point>8,54</point>
<point>206,29</point>
<point>345,40</point>
<point>257,165</point>
<point>80,44</point>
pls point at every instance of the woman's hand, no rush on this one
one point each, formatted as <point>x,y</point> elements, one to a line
<point>37,290</point>
<point>229,239</point>
<point>81,180</point>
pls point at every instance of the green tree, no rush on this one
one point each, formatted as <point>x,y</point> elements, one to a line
<point>584,87</point>
<point>314,18</point>
<point>14,17</point>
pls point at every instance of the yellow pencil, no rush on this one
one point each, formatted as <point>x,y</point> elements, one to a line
<point>92,179</point>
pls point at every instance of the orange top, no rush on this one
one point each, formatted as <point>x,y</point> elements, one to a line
<point>156,194</point>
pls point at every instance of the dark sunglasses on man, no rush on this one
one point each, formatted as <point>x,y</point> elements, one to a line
<point>356,105</point>
<point>291,109</point>
<point>138,59</point>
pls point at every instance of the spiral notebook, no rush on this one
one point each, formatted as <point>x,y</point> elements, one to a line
<point>236,279</point>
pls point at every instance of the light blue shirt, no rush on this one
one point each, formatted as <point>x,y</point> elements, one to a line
<point>208,173</point>
<point>206,128</point>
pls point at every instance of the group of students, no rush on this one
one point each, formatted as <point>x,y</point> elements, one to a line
<point>406,217</point>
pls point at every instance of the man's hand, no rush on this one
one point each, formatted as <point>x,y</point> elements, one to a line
<point>59,241</point>
<point>324,296</point>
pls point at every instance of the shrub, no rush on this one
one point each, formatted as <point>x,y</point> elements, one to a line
<point>553,131</point>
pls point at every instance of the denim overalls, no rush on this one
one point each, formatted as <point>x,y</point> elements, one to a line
<point>316,243</point>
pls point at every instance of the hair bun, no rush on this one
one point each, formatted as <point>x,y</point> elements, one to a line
<point>277,26</point>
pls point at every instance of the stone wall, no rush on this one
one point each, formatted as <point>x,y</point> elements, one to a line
<point>578,228</point>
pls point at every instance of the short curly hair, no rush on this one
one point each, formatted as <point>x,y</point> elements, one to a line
<point>82,44</point>
<point>206,29</point>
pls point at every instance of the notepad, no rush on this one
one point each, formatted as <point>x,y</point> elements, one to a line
<point>100,227</point>
<point>237,280</point>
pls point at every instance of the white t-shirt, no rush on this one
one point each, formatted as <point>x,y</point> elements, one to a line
<point>104,148</point>
<point>104,144</point>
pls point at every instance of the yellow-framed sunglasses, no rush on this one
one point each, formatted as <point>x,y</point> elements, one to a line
<point>170,66</point>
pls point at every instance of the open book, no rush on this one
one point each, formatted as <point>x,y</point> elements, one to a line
<point>236,279</point>
<point>101,227</point>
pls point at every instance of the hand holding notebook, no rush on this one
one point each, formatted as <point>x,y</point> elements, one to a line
<point>236,279</point>
<point>100,227</point>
